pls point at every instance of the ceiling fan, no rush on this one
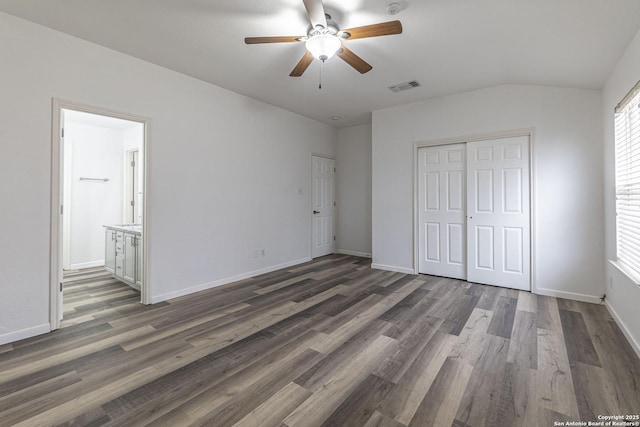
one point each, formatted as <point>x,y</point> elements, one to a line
<point>324,39</point>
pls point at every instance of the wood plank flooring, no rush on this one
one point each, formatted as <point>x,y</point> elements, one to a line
<point>327,343</point>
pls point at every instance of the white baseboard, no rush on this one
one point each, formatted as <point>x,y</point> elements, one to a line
<point>353,253</point>
<point>393,268</point>
<point>623,327</point>
<point>208,285</point>
<point>25,333</point>
<point>89,264</point>
<point>594,299</point>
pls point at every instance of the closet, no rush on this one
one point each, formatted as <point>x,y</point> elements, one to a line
<point>474,211</point>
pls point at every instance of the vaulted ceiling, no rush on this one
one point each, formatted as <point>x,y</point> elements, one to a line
<point>449,46</point>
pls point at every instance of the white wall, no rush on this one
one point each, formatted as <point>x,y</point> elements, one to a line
<point>567,176</point>
<point>623,295</point>
<point>97,153</point>
<point>224,170</point>
<point>353,180</point>
<point>133,137</point>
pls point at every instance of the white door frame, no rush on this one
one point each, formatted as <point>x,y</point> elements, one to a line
<point>57,166</point>
<point>128,211</point>
<point>530,132</point>
<point>66,219</point>
<point>335,209</point>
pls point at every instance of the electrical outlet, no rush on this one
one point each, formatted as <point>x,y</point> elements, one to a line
<point>262,252</point>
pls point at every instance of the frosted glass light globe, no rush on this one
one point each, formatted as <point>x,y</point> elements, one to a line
<point>323,46</point>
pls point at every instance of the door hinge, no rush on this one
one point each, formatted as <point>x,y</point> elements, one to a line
<point>60,286</point>
<point>334,170</point>
<point>334,204</point>
<point>133,163</point>
<point>61,209</point>
<point>62,132</point>
<point>334,238</point>
<point>132,203</point>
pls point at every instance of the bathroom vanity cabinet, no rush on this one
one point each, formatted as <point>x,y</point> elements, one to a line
<point>123,253</point>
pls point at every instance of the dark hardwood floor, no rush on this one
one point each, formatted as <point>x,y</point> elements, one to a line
<point>327,343</point>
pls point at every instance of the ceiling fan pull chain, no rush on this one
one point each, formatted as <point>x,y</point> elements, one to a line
<point>320,84</point>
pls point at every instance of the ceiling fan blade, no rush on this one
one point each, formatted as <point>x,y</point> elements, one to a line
<point>382,29</point>
<point>354,60</point>
<point>315,10</point>
<point>302,65</point>
<point>278,39</point>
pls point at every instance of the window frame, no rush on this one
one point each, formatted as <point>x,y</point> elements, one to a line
<point>627,183</point>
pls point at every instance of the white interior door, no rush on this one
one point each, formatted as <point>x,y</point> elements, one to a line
<point>62,220</point>
<point>498,224</point>
<point>323,240</point>
<point>441,200</point>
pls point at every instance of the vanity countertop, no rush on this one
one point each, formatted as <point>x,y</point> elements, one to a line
<point>129,228</point>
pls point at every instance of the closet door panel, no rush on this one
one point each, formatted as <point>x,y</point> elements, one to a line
<point>441,211</point>
<point>498,217</point>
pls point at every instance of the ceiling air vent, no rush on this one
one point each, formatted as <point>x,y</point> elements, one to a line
<point>404,86</point>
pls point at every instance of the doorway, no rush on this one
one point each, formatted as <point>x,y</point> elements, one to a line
<point>473,211</point>
<point>323,206</point>
<point>93,185</point>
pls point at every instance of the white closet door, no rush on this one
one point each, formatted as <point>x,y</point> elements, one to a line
<point>498,236</point>
<point>323,240</point>
<point>441,198</point>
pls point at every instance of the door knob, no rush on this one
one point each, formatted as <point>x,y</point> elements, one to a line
<point>316,212</point>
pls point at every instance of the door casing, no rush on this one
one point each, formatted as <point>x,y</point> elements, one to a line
<point>529,132</point>
<point>131,189</point>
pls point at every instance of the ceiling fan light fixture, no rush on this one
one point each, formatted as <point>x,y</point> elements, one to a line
<point>323,46</point>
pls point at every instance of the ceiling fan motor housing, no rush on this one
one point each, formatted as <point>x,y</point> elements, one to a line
<point>331,25</point>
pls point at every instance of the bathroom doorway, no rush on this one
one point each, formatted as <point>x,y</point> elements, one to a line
<point>98,193</point>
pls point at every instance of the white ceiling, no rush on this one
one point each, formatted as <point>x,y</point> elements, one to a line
<point>449,46</point>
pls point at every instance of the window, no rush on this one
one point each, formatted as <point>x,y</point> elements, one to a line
<point>627,146</point>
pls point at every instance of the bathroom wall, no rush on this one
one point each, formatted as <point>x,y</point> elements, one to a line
<point>96,152</point>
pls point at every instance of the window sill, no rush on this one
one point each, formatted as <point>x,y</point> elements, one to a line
<point>622,268</point>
